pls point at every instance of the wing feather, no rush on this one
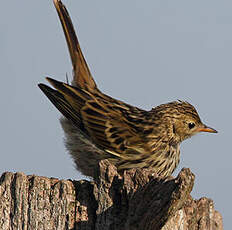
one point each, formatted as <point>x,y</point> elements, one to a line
<point>106,121</point>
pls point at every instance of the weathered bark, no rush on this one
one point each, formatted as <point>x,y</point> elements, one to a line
<point>135,200</point>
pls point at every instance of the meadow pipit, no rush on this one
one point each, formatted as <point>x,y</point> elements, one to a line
<point>128,136</point>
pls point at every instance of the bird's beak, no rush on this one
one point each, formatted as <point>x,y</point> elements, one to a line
<point>205,128</point>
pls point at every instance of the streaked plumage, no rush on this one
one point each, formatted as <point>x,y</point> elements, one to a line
<point>128,136</point>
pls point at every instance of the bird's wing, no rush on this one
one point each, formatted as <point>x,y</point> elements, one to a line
<point>61,104</point>
<point>105,120</point>
<point>82,75</point>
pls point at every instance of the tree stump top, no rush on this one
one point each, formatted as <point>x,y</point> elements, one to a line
<point>135,200</point>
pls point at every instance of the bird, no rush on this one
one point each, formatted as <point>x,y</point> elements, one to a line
<point>98,126</point>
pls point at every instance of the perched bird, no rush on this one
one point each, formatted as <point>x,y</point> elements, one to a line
<point>98,126</point>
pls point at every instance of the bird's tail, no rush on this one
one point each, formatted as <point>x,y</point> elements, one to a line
<point>81,73</point>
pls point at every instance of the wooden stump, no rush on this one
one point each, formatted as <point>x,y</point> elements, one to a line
<point>136,200</point>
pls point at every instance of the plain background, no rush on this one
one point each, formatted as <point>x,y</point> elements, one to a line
<point>142,52</point>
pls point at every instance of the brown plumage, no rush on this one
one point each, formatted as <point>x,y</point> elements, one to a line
<point>98,126</point>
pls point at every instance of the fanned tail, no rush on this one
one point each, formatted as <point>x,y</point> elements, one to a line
<point>82,76</point>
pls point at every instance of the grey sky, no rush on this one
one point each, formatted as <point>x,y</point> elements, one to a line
<point>142,52</point>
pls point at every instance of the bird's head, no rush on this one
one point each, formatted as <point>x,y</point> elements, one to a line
<point>181,119</point>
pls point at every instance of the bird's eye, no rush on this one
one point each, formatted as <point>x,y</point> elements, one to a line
<point>191,125</point>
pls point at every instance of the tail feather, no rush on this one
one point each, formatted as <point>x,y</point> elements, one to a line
<point>82,75</point>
